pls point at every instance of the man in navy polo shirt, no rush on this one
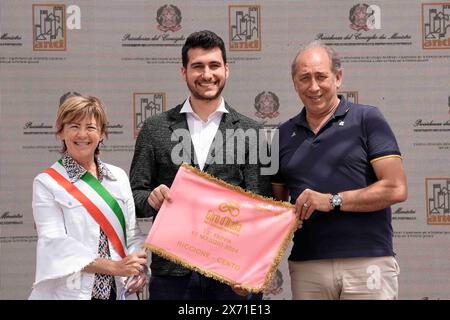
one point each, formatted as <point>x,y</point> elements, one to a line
<point>341,166</point>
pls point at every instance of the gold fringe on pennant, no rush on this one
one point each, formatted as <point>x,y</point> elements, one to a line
<point>281,250</point>
<point>167,255</point>
<point>236,188</point>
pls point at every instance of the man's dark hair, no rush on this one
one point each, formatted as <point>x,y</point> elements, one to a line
<point>202,39</point>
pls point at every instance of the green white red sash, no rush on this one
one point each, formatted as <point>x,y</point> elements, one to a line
<point>100,204</point>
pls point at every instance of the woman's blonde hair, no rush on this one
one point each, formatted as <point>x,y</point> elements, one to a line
<point>77,108</point>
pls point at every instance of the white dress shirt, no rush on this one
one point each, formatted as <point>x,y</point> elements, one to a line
<point>203,133</point>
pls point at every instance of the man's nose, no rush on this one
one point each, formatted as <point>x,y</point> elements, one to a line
<point>314,85</point>
<point>207,75</point>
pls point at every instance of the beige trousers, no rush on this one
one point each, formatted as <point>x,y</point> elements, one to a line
<point>349,278</point>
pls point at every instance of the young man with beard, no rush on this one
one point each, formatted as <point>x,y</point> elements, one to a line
<point>204,116</point>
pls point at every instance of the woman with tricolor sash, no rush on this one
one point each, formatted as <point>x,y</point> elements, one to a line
<point>89,243</point>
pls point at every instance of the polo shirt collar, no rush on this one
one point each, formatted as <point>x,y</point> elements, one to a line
<point>342,108</point>
<point>340,111</point>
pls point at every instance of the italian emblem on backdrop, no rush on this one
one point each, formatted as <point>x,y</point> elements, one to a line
<point>168,18</point>
<point>359,16</point>
<point>267,105</point>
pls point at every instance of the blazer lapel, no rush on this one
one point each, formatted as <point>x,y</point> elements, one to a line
<point>178,122</point>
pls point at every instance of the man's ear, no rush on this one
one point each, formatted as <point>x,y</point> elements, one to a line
<point>339,79</point>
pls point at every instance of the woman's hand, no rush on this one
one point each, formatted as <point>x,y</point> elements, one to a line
<point>136,283</point>
<point>132,264</point>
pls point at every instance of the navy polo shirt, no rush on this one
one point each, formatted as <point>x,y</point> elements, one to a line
<point>338,158</point>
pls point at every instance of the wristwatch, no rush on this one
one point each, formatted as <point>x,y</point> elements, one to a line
<point>336,201</point>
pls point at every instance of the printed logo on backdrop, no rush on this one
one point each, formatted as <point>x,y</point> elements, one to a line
<point>366,26</point>
<point>67,95</point>
<point>350,96</point>
<point>146,105</point>
<point>10,39</point>
<point>365,17</point>
<point>49,27</point>
<point>435,125</point>
<point>434,130</point>
<point>168,18</point>
<point>244,27</point>
<point>436,25</point>
<point>37,128</point>
<point>267,105</point>
<point>8,217</point>
<point>438,201</point>
<point>401,213</point>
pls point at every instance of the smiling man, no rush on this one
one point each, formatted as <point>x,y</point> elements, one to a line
<point>207,119</point>
<point>341,166</point>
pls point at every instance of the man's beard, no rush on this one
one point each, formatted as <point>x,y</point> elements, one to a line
<point>198,96</point>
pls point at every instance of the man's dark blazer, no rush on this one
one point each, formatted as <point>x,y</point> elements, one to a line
<point>152,165</point>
